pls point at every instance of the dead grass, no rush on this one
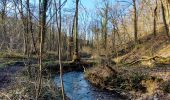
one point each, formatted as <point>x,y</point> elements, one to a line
<point>149,46</point>
<point>135,82</point>
<point>24,88</point>
<point>87,50</point>
<point>151,86</point>
<point>99,76</point>
<point>12,55</point>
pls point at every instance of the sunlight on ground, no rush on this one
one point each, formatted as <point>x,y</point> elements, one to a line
<point>164,52</point>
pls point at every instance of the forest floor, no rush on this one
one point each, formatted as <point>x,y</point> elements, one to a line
<point>7,75</point>
<point>16,83</point>
<point>8,70</point>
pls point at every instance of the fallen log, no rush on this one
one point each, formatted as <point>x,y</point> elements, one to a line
<point>156,59</point>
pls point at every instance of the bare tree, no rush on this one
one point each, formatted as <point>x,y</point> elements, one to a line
<point>3,18</point>
<point>25,25</point>
<point>76,57</point>
<point>164,20</point>
<point>59,24</point>
<point>135,21</point>
<point>104,14</point>
<point>42,37</point>
<point>30,27</point>
<point>155,16</point>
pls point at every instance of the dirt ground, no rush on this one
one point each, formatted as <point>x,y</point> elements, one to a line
<point>7,75</point>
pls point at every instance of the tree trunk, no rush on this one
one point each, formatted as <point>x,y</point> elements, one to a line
<point>76,57</point>
<point>3,18</point>
<point>154,20</point>
<point>25,25</point>
<point>105,23</point>
<point>59,41</point>
<point>30,26</point>
<point>164,20</point>
<point>42,36</point>
<point>71,38</point>
<point>135,22</point>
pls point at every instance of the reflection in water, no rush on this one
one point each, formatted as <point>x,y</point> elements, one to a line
<point>77,88</point>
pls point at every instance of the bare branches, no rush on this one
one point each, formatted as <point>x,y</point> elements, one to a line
<point>57,9</point>
<point>25,8</point>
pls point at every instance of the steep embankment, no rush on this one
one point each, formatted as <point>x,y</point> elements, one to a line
<point>143,71</point>
<point>153,52</point>
<point>148,47</point>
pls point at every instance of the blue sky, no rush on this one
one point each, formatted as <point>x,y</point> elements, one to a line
<point>90,4</point>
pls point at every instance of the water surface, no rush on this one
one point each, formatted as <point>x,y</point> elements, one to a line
<point>77,88</point>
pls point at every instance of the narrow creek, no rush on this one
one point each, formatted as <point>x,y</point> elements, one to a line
<point>78,88</point>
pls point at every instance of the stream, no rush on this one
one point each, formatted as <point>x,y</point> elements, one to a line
<point>78,88</point>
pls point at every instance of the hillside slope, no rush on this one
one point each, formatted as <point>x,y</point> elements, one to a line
<point>149,46</point>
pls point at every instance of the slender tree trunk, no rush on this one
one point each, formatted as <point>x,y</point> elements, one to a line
<point>76,57</point>
<point>28,31</point>
<point>135,22</point>
<point>113,38</point>
<point>42,37</point>
<point>154,20</point>
<point>50,33</point>
<point>105,29</point>
<point>71,37</point>
<point>105,23</point>
<point>3,18</point>
<point>59,41</point>
<point>164,20</point>
<point>70,43</point>
<point>30,26</point>
<point>25,25</point>
<point>39,22</point>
